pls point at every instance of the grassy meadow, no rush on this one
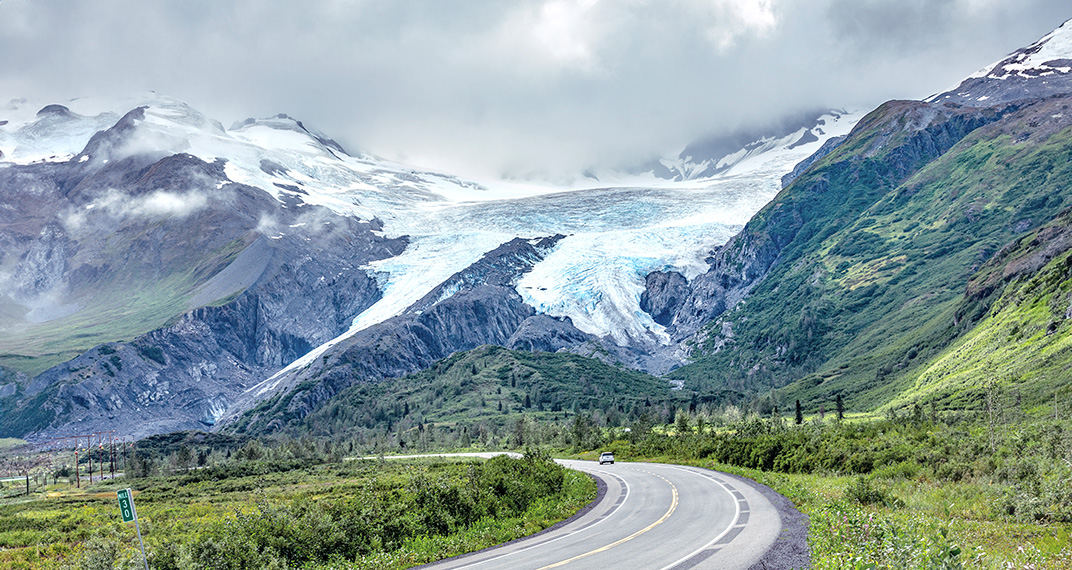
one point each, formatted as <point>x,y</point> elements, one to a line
<point>897,493</point>
<point>278,513</point>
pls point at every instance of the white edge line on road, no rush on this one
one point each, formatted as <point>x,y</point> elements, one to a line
<point>673,507</point>
<point>625,496</point>
<point>736,515</point>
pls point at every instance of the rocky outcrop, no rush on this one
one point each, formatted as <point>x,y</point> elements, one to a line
<point>664,293</point>
<point>500,267</point>
<point>484,314</point>
<point>541,333</point>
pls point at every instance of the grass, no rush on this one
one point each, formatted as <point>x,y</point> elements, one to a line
<point>925,517</point>
<point>7,442</point>
<point>904,493</point>
<point>187,520</point>
<point>922,524</point>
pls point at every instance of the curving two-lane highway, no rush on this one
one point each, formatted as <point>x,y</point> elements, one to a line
<point>652,516</point>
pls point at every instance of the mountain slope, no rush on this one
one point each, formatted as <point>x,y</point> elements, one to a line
<point>481,386</point>
<point>70,268</point>
<point>715,155</point>
<point>477,306</point>
<point>1042,69</point>
<point>122,236</point>
<point>269,302</point>
<point>218,284</point>
<point>968,204</point>
<point>885,147</point>
<point>853,278</point>
<point>1023,346</point>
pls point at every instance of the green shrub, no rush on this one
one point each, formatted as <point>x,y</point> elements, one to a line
<point>847,536</point>
<point>380,518</point>
<point>224,553</point>
<point>903,470</point>
<point>861,490</point>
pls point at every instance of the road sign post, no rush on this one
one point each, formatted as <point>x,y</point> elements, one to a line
<point>129,513</point>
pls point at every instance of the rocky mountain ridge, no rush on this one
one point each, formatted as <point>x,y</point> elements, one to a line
<point>261,302</point>
<point>159,267</point>
<point>1042,69</point>
<point>717,154</point>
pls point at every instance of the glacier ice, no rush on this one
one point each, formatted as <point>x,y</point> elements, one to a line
<point>615,235</point>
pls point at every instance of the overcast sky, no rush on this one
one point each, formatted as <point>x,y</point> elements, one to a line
<point>525,87</point>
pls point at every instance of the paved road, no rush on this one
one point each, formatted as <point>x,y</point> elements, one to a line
<point>652,517</point>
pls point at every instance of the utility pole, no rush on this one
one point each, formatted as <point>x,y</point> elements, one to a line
<point>89,457</point>
<point>101,454</point>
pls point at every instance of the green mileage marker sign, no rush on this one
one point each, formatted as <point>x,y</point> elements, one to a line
<point>126,505</point>
<point>126,510</point>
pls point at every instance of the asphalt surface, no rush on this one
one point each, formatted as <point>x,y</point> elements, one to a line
<point>660,517</point>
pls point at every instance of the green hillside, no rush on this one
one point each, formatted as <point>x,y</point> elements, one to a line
<point>880,241</point>
<point>1021,353</point>
<point>489,385</point>
<point>129,301</point>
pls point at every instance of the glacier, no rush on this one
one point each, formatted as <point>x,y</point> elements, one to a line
<point>616,232</point>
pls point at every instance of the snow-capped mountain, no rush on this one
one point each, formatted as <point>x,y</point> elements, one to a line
<point>614,237</point>
<point>712,156</point>
<point>85,185</point>
<point>1041,69</point>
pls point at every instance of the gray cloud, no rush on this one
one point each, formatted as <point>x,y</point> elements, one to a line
<point>115,205</point>
<point>525,87</point>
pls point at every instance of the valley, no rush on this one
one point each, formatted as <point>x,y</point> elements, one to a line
<point>868,311</point>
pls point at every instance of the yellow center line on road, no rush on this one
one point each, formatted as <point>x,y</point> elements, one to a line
<point>673,506</point>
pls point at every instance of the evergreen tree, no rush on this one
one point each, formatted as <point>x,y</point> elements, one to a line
<point>840,408</point>
<point>800,414</point>
<point>682,422</point>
